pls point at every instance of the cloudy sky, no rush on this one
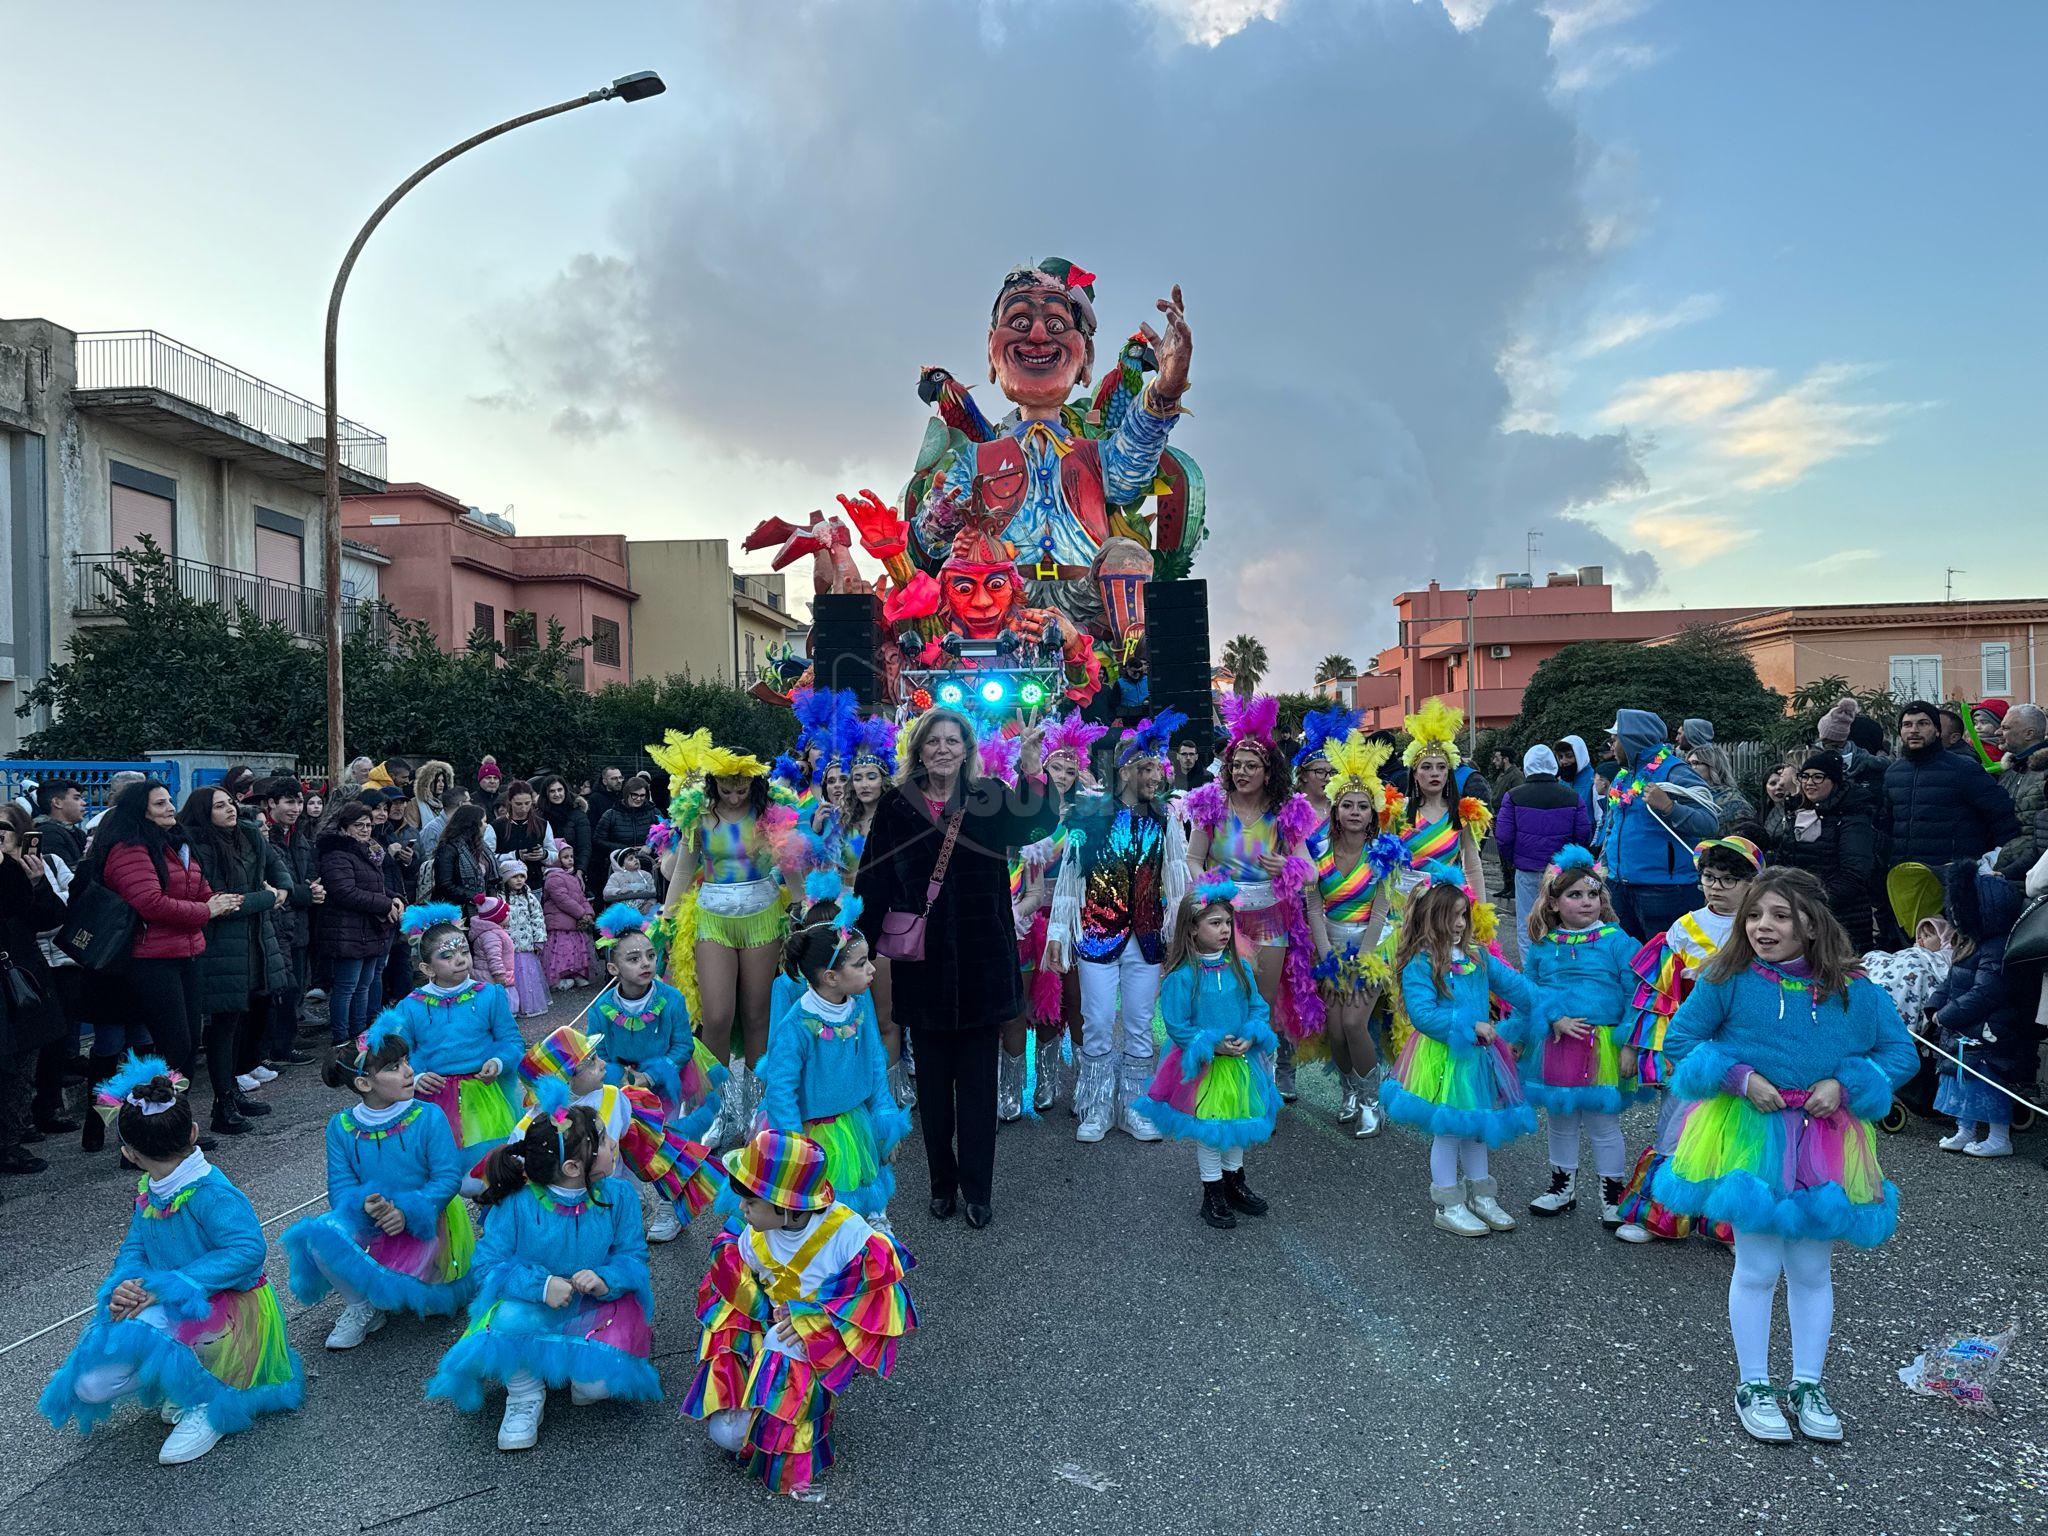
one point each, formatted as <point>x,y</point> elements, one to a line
<point>1742,301</point>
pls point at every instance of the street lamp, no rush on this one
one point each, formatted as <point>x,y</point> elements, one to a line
<point>1471,678</point>
<point>633,87</point>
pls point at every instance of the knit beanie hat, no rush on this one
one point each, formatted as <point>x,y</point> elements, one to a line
<point>1867,734</point>
<point>1698,733</point>
<point>1834,725</point>
<point>1829,763</point>
<point>1539,759</point>
<point>492,909</point>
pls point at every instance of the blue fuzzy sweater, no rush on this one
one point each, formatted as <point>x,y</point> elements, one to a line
<point>460,1036</point>
<point>524,1242</point>
<point>1588,980</point>
<point>1453,1019</point>
<point>650,1034</point>
<point>807,1077</point>
<point>1201,1005</point>
<point>1855,1037</point>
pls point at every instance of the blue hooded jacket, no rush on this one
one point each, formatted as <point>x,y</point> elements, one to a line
<point>1646,847</point>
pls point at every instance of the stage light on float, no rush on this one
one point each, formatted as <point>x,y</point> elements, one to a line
<point>994,691</point>
<point>1031,695</point>
<point>952,694</point>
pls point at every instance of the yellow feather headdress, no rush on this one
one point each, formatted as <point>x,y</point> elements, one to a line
<point>692,757</point>
<point>1434,727</point>
<point>1356,764</point>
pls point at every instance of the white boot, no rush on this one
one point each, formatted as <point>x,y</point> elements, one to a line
<point>519,1430</point>
<point>1009,1086</point>
<point>192,1439</point>
<point>663,1225</point>
<point>1562,1195</point>
<point>1047,1091</point>
<point>1479,1195</point>
<point>1453,1215</point>
<point>1136,1077</point>
<point>1095,1097</point>
<point>357,1322</point>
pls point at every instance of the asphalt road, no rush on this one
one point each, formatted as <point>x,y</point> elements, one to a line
<point>1100,1361</point>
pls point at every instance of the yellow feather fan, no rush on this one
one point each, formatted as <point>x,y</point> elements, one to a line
<point>1434,727</point>
<point>1356,764</point>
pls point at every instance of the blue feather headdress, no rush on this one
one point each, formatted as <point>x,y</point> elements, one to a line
<point>823,885</point>
<point>136,1072</point>
<point>1322,727</point>
<point>618,920</point>
<point>417,920</point>
<point>1572,856</point>
<point>874,742</point>
<point>843,924</point>
<point>1150,737</point>
<point>1212,886</point>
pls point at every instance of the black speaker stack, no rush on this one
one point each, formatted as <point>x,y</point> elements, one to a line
<point>845,630</point>
<point>1177,651</point>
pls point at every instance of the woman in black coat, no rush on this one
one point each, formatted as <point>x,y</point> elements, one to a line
<point>241,961</point>
<point>356,921</point>
<point>1829,828</point>
<point>566,818</point>
<point>28,906</point>
<point>955,1000</point>
<point>463,866</point>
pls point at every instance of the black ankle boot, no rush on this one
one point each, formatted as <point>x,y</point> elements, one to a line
<point>92,1135</point>
<point>1215,1209</point>
<point>253,1109</point>
<point>225,1119</point>
<point>1240,1195</point>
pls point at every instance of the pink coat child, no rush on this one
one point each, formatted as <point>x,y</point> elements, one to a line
<point>568,956</point>
<point>491,943</point>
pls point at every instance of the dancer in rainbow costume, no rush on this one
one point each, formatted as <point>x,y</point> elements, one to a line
<point>646,1026</point>
<point>185,1319</point>
<point>1257,832</point>
<point>1666,969</point>
<point>1581,959</point>
<point>1313,769</point>
<point>396,1235</point>
<point>1347,913</point>
<point>802,1296</point>
<point>1786,1055</point>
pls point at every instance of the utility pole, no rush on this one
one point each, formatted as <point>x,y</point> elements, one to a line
<point>1949,595</point>
<point>1471,678</point>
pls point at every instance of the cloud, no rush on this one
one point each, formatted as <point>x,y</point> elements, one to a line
<point>1210,22</point>
<point>1693,396</point>
<point>1688,536</point>
<point>1608,332</point>
<point>1841,560</point>
<point>1360,202</point>
<point>581,426</point>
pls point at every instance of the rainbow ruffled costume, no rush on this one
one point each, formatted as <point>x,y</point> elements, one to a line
<point>454,1031</point>
<point>825,1073</point>
<point>215,1338</point>
<point>409,1157</point>
<point>1197,1095</point>
<point>1789,1173</point>
<point>1236,847</point>
<point>841,1285</point>
<point>604,1341</point>
<point>1584,973</point>
<point>1446,1082</point>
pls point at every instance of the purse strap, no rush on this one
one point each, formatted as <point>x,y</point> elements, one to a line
<point>931,890</point>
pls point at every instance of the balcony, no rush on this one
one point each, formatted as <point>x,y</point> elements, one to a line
<point>301,610</point>
<point>173,392</point>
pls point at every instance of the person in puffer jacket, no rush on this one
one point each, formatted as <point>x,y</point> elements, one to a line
<point>1656,811</point>
<point>1538,816</point>
<point>1940,806</point>
<point>1987,1014</point>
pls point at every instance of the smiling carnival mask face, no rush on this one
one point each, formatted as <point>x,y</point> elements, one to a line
<point>1037,348</point>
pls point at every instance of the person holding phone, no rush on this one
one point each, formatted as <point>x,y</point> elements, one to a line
<point>29,904</point>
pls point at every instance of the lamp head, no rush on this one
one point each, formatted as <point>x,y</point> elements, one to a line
<point>638,86</point>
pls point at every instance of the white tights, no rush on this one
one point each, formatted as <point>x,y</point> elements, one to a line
<point>1610,1155</point>
<point>104,1383</point>
<point>1454,1157</point>
<point>1213,1160</point>
<point>524,1384</point>
<point>1760,1258</point>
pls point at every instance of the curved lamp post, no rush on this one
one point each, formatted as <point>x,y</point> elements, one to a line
<point>634,87</point>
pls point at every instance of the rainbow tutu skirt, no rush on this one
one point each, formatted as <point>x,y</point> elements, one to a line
<point>1231,1102</point>
<point>398,1272</point>
<point>1475,1094</point>
<point>606,1342</point>
<point>478,1112</point>
<point>1787,1173</point>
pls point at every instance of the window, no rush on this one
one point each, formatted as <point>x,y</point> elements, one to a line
<point>141,503</point>
<point>522,630</point>
<point>1916,677</point>
<point>486,619</point>
<point>752,666</point>
<point>1997,665</point>
<point>280,547</point>
<point>604,642</point>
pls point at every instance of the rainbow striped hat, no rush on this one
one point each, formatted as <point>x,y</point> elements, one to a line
<point>783,1168</point>
<point>558,1054</point>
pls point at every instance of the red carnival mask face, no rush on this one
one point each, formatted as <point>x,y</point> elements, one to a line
<point>979,598</point>
<point>1037,347</point>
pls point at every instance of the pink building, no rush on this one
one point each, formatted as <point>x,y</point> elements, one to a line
<point>1507,630</point>
<point>462,570</point>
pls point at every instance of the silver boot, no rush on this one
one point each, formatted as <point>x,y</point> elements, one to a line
<point>1283,1071</point>
<point>900,1085</point>
<point>1009,1086</point>
<point>1353,1091</point>
<point>1047,1091</point>
<point>1134,1079</point>
<point>1095,1097</point>
<point>1370,1117</point>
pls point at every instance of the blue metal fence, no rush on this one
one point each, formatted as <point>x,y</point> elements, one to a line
<point>16,774</point>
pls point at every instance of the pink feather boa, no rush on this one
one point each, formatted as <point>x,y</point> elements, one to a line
<point>1206,806</point>
<point>1301,1005</point>
<point>1047,984</point>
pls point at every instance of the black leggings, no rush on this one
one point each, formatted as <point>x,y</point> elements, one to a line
<point>165,997</point>
<point>956,1104</point>
<point>223,1036</point>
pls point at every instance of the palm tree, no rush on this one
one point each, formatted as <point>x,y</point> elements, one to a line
<point>1334,666</point>
<point>1246,662</point>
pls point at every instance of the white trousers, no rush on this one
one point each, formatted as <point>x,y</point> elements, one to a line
<point>1454,1157</point>
<point>1118,992</point>
<point>1760,1257</point>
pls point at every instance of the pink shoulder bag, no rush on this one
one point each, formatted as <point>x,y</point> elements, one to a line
<point>902,935</point>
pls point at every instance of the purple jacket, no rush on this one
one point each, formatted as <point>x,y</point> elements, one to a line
<point>1539,816</point>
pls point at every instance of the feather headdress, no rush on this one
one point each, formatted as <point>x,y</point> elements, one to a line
<point>1212,886</point>
<point>1151,737</point>
<point>1251,719</point>
<point>1572,856</point>
<point>618,920</point>
<point>135,1073</point>
<point>693,757</point>
<point>875,743</point>
<point>1434,728</point>
<point>998,756</point>
<point>1355,764</point>
<point>417,920</point>
<point>1071,733</point>
<point>1321,729</point>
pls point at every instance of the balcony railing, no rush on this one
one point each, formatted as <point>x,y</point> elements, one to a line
<point>301,610</point>
<point>146,360</point>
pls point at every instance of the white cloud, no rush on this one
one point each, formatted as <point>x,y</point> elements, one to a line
<point>1211,22</point>
<point>1803,427</point>
<point>1688,536</point>
<point>1466,14</point>
<point>1573,20</point>
<point>1608,332</point>
<point>1695,396</point>
<point>1841,560</point>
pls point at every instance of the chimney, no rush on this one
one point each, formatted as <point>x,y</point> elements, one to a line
<point>1592,576</point>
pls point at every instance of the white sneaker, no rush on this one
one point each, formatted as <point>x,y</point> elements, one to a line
<point>664,1226</point>
<point>357,1322</point>
<point>1958,1140</point>
<point>1756,1405</point>
<point>1479,1195</point>
<point>1135,1125</point>
<point>1370,1122</point>
<point>316,994</point>
<point>581,1398</point>
<point>1458,1220</point>
<point>170,1413</point>
<point>263,1074</point>
<point>1817,1418</point>
<point>1988,1148</point>
<point>192,1439</point>
<point>1632,1232</point>
<point>248,1082</point>
<point>519,1430</point>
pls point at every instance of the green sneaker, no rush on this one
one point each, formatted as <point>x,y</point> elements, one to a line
<point>1756,1405</point>
<point>1817,1420</point>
